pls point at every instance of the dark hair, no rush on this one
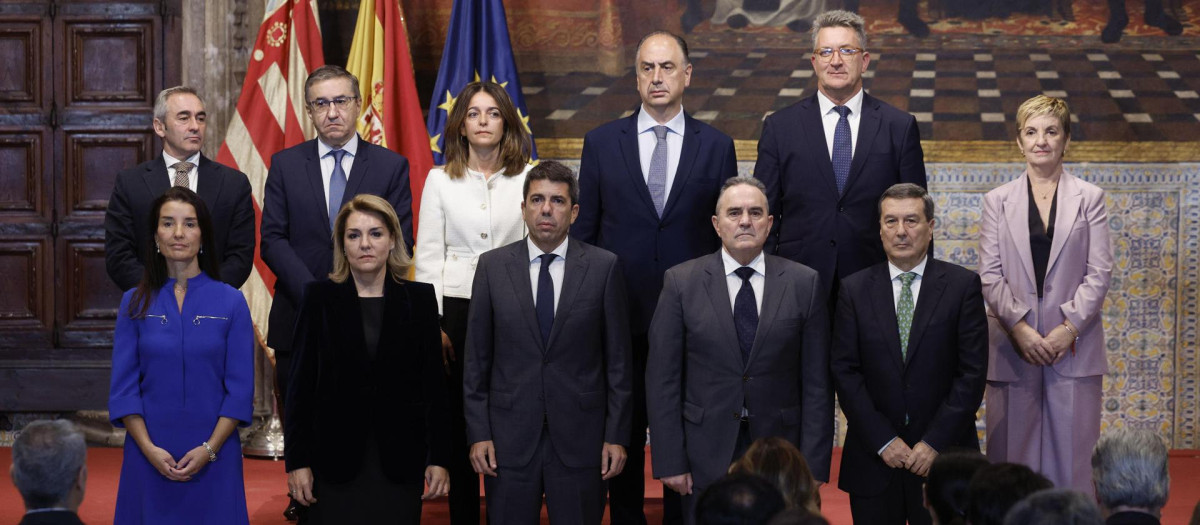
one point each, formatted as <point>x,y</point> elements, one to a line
<point>738,499</point>
<point>906,190</point>
<point>554,172</point>
<point>798,516</point>
<point>329,72</point>
<point>994,490</point>
<point>1055,507</point>
<point>778,461</point>
<point>946,486</point>
<point>516,146</point>
<point>155,275</point>
<point>678,40</point>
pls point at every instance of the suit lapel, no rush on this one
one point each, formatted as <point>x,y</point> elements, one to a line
<point>633,163</point>
<point>811,123</point>
<point>883,304</point>
<point>1069,199</point>
<point>933,283</point>
<point>718,294</point>
<point>1016,214</point>
<point>868,129</point>
<point>574,274</point>
<point>687,160</point>
<point>316,184</point>
<point>358,171</point>
<point>518,274</point>
<point>155,177</point>
<point>397,309</point>
<point>209,186</point>
<point>349,319</point>
<point>774,289</point>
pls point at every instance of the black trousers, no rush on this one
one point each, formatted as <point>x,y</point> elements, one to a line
<point>902,501</point>
<point>627,491</point>
<point>464,482</point>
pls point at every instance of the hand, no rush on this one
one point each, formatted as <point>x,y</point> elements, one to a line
<point>896,454</point>
<point>438,481</point>
<point>483,458</point>
<point>192,462</point>
<point>447,352</point>
<point>921,458</point>
<point>1030,345</point>
<point>300,486</point>
<point>1060,341</point>
<point>681,483</point>
<point>163,462</point>
<point>612,460</point>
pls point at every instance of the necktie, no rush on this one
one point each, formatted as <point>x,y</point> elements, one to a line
<point>745,313</point>
<point>181,173</point>
<point>904,311</point>
<point>545,298</point>
<point>842,150</point>
<point>657,181</point>
<point>337,185</point>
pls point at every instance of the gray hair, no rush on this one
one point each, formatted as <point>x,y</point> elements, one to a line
<point>1130,469</point>
<point>46,458</point>
<point>1055,507</point>
<point>160,102</point>
<point>330,72</point>
<point>737,181</point>
<point>840,18</point>
<point>907,190</point>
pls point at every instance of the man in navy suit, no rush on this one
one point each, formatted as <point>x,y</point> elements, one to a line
<point>306,186</point>
<point>179,119</point>
<point>648,184</point>
<point>826,159</point>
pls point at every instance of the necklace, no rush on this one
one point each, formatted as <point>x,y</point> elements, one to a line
<point>1043,195</point>
<point>181,287</point>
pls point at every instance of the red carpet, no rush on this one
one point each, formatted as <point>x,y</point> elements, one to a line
<point>266,484</point>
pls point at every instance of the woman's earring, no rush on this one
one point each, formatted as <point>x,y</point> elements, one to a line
<point>156,248</point>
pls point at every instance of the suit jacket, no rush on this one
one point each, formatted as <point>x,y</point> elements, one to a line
<point>1131,518</point>
<point>56,517</point>
<point>1077,275</point>
<point>579,383</point>
<point>696,383</point>
<point>617,213</point>
<point>297,244</point>
<point>127,231</point>
<point>938,387</point>
<point>814,225</point>
<point>400,396</point>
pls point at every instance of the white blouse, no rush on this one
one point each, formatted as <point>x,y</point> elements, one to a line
<point>459,220</point>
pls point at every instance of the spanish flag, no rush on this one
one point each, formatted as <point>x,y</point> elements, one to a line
<point>391,112</point>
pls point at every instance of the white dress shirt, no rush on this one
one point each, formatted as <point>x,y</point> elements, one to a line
<point>460,219</point>
<point>647,140</point>
<point>556,268</point>
<point>323,149</point>
<point>897,287</point>
<point>193,175</point>
<point>757,281</point>
<point>829,119</point>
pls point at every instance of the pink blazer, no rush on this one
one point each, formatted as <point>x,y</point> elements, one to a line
<point>1077,275</point>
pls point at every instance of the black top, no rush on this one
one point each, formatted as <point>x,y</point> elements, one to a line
<point>1040,236</point>
<point>372,317</point>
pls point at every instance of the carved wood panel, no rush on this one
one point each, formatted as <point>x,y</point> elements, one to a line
<point>90,167</point>
<point>25,291</point>
<point>88,300</point>
<point>108,63</point>
<point>23,157</point>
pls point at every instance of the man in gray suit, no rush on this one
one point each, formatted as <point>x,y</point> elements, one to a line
<point>546,378</point>
<point>752,332</point>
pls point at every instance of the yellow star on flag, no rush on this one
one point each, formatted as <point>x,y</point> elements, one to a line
<point>524,121</point>
<point>448,104</point>
<point>433,141</point>
<point>502,84</point>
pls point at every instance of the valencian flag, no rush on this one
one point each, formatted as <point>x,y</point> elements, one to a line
<point>391,111</point>
<point>477,48</point>
<point>270,117</point>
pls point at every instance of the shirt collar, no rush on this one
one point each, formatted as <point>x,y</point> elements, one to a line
<point>535,252</point>
<point>855,103</point>
<point>350,147</point>
<point>645,122</point>
<point>172,161</point>
<point>759,264</point>
<point>919,269</point>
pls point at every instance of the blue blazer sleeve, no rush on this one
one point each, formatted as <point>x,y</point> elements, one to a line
<point>290,273</point>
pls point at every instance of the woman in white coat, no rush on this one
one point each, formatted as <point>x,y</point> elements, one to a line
<point>469,206</point>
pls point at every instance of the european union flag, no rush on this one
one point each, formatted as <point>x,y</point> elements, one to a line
<point>477,48</point>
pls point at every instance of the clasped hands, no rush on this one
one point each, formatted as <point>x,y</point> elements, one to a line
<point>916,459</point>
<point>1038,350</point>
<point>182,470</point>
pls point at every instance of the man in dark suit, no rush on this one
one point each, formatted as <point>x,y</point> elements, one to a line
<point>909,361</point>
<point>49,470</point>
<point>824,170</point>
<point>739,350</point>
<point>547,371</point>
<point>179,119</point>
<point>647,199</point>
<point>307,185</point>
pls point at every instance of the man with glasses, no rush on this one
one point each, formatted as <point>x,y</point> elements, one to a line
<point>826,159</point>
<point>307,185</point>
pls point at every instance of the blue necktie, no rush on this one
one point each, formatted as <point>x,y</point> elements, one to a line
<point>337,186</point>
<point>745,313</point>
<point>545,298</point>
<point>843,152</point>
<point>657,181</point>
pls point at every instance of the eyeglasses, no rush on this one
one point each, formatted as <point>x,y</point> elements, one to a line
<point>826,53</point>
<point>321,105</point>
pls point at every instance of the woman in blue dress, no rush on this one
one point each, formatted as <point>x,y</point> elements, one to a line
<point>182,377</point>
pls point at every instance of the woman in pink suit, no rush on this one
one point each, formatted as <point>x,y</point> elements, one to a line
<point>1046,263</point>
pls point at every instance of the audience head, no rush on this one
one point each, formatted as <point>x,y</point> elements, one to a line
<point>994,489</point>
<point>798,516</point>
<point>483,118</point>
<point>551,203</point>
<point>839,54</point>
<point>179,120</point>
<point>738,499</point>
<point>742,218</point>
<point>183,232</point>
<point>1055,507</point>
<point>48,465</point>
<point>906,224</point>
<point>663,72</point>
<point>1129,471</point>
<point>778,461</point>
<point>946,486</point>
<point>332,99</point>
<point>367,238</point>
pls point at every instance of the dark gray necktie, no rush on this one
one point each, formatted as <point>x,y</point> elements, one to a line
<point>745,313</point>
<point>843,151</point>
<point>337,186</point>
<point>657,181</point>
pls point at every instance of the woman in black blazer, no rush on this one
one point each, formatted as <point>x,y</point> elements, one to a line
<point>366,423</point>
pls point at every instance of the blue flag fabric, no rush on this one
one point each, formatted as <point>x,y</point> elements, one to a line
<point>477,48</point>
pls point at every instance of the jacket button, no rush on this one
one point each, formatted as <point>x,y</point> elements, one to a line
<point>841,209</point>
<point>483,236</point>
<point>833,243</point>
<point>483,206</point>
<point>737,416</point>
<point>745,379</point>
